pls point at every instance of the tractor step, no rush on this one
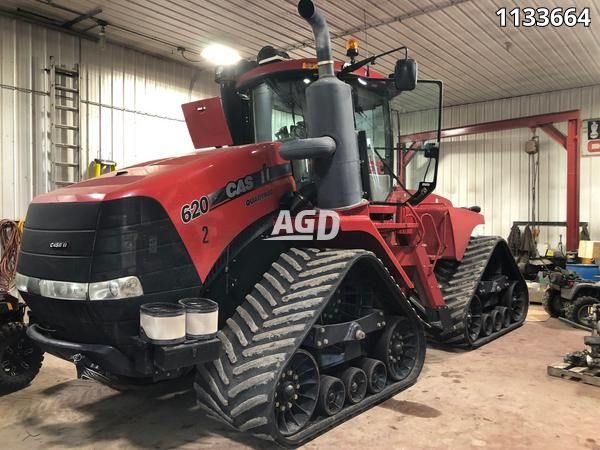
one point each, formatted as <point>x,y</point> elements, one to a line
<point>479,291</point>
<point>263,338</point>
<point>570,371</point>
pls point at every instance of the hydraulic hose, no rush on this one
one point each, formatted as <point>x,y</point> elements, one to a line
<point>10,239</point>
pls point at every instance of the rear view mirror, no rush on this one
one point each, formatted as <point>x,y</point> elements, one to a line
<point>405,74</point>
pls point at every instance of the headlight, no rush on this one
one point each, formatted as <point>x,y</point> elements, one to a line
<point>66,290</point>
<point>63,289</point>
<point>113,289</point>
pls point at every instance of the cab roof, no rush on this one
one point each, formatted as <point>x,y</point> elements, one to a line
<point>307,65</point>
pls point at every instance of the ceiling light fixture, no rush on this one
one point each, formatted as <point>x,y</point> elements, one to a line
<point>220,55</point>
<point>102,38</point>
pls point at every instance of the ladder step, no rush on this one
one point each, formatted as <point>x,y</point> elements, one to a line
<point>67,108</point>
<point>62,126</point>
<point>65,164</point>
<point>67,72</point>
<point>66,89</point>
<point>66,145</point>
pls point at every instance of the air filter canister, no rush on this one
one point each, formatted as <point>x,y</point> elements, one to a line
<point>162,323</point>
<point>201,317</point>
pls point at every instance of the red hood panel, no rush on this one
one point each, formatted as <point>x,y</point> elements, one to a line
<point>243,184</point>
<point>210,166</point>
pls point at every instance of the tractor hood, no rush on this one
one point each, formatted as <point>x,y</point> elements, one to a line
<point>166,177</point>
<point>209,197</point>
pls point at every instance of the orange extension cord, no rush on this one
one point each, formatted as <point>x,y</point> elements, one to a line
<point>10,239</point>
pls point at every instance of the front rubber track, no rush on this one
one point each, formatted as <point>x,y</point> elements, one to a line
<point>265,332</point>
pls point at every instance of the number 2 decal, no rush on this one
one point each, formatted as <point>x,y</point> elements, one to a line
<point>205,235</point>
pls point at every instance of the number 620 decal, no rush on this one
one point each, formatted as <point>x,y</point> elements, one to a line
<point>194,209</point>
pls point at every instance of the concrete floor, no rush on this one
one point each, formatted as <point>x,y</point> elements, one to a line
<point>496,397</point>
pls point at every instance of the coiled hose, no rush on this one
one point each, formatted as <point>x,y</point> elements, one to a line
<point>10,239</point>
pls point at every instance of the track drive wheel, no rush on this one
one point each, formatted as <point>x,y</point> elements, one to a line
<point>397,347</point>
<point>579,311</point>
<point>473,318</point>
<point>376,374</point>
<point>296,393</point>
<point>355,381</point>
<point>515,298</point>
<point>332,394</point>
<point>20,358</point>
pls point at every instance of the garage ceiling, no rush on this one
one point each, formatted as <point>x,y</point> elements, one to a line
<point>457,41</point>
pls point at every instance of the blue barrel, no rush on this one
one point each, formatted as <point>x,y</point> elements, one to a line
<point>586,271</point>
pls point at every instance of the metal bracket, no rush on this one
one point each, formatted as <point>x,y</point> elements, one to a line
<point>322,336</point>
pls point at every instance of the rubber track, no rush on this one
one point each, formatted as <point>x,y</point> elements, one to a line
<point>265,332</point>
<point>458,282</point>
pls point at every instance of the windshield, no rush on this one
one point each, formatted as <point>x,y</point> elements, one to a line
<point>398,132</point>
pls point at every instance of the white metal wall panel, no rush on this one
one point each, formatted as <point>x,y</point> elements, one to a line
<point>457,41</point>
<point>490,170</point>
<point>130,111</point>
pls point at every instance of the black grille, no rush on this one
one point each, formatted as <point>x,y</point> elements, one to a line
<point>104,241</point>
<point>88,242</point>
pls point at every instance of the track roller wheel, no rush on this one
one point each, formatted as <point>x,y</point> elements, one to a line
<point>505,315</point>
<point>376,374</point>
<point>355,381</point>
<point>515,299</point>
<point>487,324</point>
<point>497,319</point>
<point>332,394</point>
<point>397,348</point>
<point>296,393</point>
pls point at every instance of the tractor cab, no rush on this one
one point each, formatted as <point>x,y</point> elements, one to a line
<point>398,130</point>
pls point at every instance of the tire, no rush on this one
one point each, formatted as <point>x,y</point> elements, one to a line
<point>497,319</point>
<point>20,358</point>
<point>355,381</point>
<point>400,360</point>
<point>376,374</point>
<point>487,324</point>
<point>578,310</point>
<point>552,303</point>
<point>332,394</point>
<point>505,315</point>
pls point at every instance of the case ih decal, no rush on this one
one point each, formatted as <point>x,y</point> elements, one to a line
<point>234,189</point>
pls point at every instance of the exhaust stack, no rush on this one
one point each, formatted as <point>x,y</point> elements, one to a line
<point>330,118</point>
<point>309,12</point>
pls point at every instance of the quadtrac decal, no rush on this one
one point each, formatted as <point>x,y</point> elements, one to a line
<point>234,189</point>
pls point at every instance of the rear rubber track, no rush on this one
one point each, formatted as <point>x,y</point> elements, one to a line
<point>266,331</point>
<point>459,281</point>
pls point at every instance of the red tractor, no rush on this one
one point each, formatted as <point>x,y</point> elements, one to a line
<point>317,323</point>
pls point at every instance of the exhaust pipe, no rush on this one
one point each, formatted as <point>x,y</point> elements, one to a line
<point>307,9</point>
<point>330,119</point>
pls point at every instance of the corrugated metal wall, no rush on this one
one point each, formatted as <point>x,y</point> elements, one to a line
<point>131,112</point>
<point>491,169</point>
<point>130,109</point>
